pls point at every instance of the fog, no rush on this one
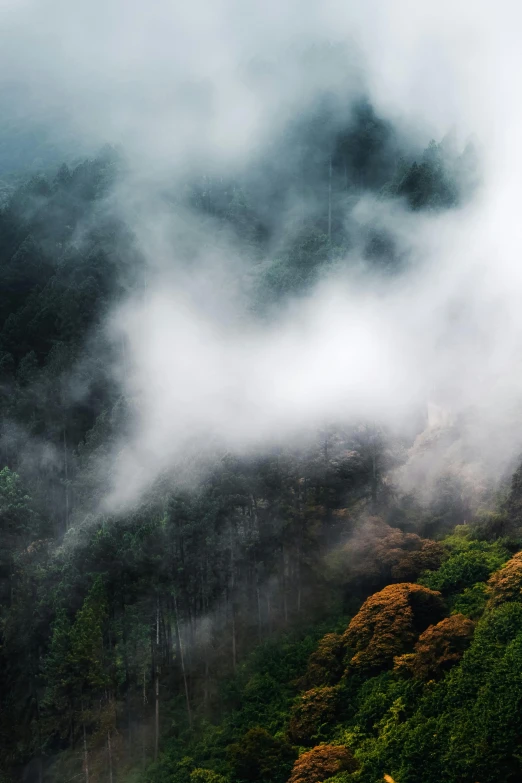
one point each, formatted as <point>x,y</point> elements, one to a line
<point>211,87</point>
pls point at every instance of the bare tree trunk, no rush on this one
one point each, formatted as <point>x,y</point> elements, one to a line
<point>85,754</point>
<point>144,723</point>
<point>234,656</point>
<point>205,689</point>
<point>127,676</point>
<point>182,661</point>
<point>232,586</point>
<point>299,581</point>
<point>283,585</point>
<point>268,612</point>
<point>156,721</point>
<point>39,731</point>
<point>143,748</point>
<point>259,625</point>
<point>66,480</point>
<point>109,748</point>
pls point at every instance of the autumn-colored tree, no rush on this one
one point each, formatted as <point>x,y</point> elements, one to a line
<point>413,562</point>
<point>321,763</point>
<point>201,775</point>
<point>506,584</point>
<point>389,623</point>
<point>439,648</point>
<point>325,665</point>
<point>379,554</point>
<point>315,709</point>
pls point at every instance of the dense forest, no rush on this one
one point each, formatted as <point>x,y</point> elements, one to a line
<point>293,615</point>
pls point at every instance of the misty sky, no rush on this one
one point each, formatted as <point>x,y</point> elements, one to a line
<point>210,84</point>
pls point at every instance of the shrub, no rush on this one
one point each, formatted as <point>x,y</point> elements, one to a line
<point>471,602</point>
<point>315,708</point>
<point>325,665</point>
<point>200,775</point>
<point>463,569</point>
<point>260,757</point>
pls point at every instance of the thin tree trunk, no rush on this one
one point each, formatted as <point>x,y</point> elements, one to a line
<point>283,585</point>
<point>269,612</point>
<point>127,675</point>
<point>40,744</point>
<point>109,748</point>
<point>234,656</point>
<point>205,687</point>
<point>169,636</point>
<point>232,590</point>
<point>156,720</point>
<point>66,480</point>
<point>259,624</point>
<point>182,661</point>
<point>85,753</point>
<point>298,568</point>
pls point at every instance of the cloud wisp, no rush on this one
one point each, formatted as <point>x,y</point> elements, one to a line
<point>202,88</point>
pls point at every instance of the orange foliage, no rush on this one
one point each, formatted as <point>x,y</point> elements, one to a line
<point>438,648</point>
<point>389,623</point>
<point>412,563</point>
<point>379,554</point>
<point>321,763</point>
<point>506,584</point>
<point>325,664</point>
<point>315,708</point>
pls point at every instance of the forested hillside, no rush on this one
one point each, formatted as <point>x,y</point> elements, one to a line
<point>291,615</point>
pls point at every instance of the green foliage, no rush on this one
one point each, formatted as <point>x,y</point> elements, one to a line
<point>260,758</point>
<point>313,714</point>
<point>470,562</point>
<point>426,183</point>
<point>86,654</point>
<point>200,775</point>
<point>325,665</point>
<point>471,602</point>
<point>16,512</point>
